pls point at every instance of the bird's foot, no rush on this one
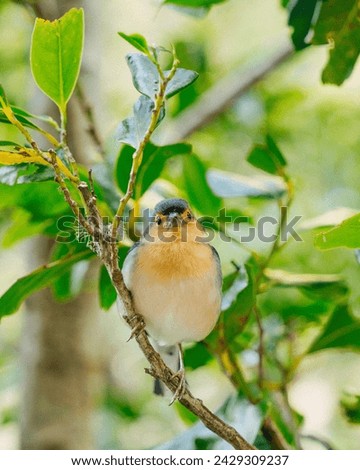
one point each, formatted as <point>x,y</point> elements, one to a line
<point>181,387</point>
<point>138,326</point>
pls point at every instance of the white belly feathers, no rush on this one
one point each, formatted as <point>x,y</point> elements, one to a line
<point>181,302</point>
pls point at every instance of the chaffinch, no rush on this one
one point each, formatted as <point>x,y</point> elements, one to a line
<point>174,276</point>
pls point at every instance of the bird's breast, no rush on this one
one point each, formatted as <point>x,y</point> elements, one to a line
<point>176,288</point>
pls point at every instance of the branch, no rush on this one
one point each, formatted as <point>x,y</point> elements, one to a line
<point>138,154</point>
<point>261,348</point>
<point>222,95</point>
<point>88,112</point>
<point>273,435</point>
<point>232,370</point>
<point>321,441</point>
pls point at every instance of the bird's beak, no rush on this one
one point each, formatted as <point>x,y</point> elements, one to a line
<point>172,220</point>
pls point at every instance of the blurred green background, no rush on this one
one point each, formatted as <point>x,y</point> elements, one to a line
<point>316,127</point>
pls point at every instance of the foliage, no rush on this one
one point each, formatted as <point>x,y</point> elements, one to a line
<point>332,22</point>
<point>346,234</point>
<point>195,8</point>
<point>58,44</point>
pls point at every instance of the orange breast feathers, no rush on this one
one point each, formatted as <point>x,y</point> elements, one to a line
<point>176,286</point>
<point>176,253</point>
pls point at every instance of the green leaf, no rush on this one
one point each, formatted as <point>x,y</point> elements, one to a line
<point>303,316</point>
<point>154,160</point>
<point>107,292</point>
<point>228,185</point>
<point>34,201</point>
<point>56,51</point>
<point>342,331</point>
<point>338,25</point>
<point>350,406</point>
<point>145,75</point>
<point>234,284</point>
<point>20,117</point>
<point>328,219</point>
<point>347,234</point>
<point>131,131</point>
<point>196,356</point>
<point>182,79</point>
<point>136,40</point>
<point>281,419</point>
<point>25,173</point>
<point>238,412</point>
<point>68,286</point>
<point>9,143</point>
<point>104,184</point>
<point>42,277</point>
<point>328,286</point>
<point>22,226</point>
<point>193,3</point>
<point>238,300</point>
<point>121,406</point>
<point>300,18</point>
<point>3,94</point>
<point>197,12</point>
<point>197,188</point>
<point>267,157</point>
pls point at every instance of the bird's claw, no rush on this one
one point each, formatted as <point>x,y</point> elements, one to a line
<point>179,392</point>
<point>138,327</point>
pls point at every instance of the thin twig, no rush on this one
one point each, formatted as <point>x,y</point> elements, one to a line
<point>138,154</point>
<point>261,349</point>
<point>71,202</point>
<point>273,435</point>
<point>232,370</point>
<point>320,440</point>
<point>89,114</point>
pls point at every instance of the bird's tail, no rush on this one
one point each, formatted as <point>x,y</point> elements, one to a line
<point>170,356</point>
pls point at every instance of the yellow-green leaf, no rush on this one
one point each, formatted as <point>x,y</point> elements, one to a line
<point>56,52</point>
<point>347,234</point>
<point>26,155</point>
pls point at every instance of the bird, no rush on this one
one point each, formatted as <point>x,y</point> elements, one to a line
<point>175,279</point>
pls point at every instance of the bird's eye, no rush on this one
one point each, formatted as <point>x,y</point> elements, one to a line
<point>189,216</point>
<point>158,220</point>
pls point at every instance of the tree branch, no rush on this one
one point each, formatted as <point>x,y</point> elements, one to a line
<point>222,95</point>
<point>89,115</point>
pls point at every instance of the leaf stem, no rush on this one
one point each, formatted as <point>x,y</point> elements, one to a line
<point>12,118</point>
<point>138,154</point>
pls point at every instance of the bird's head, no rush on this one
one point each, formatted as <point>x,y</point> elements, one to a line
<point>175,220</point>
<point>171,213</point>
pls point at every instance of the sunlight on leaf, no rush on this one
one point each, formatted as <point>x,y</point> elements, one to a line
<point>136,40</point>
<point>347,234</point>
<point>56,52</point>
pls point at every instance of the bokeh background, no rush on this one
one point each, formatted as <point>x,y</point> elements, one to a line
<point>316,127</point>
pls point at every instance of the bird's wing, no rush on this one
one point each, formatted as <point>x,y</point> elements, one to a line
<point>218,264</point>
<point>129,263</point>
<point>127,271</point>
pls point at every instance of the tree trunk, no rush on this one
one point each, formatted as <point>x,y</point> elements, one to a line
<point>62,359</point>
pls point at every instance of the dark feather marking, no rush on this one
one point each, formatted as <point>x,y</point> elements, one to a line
<point>167,206</point>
